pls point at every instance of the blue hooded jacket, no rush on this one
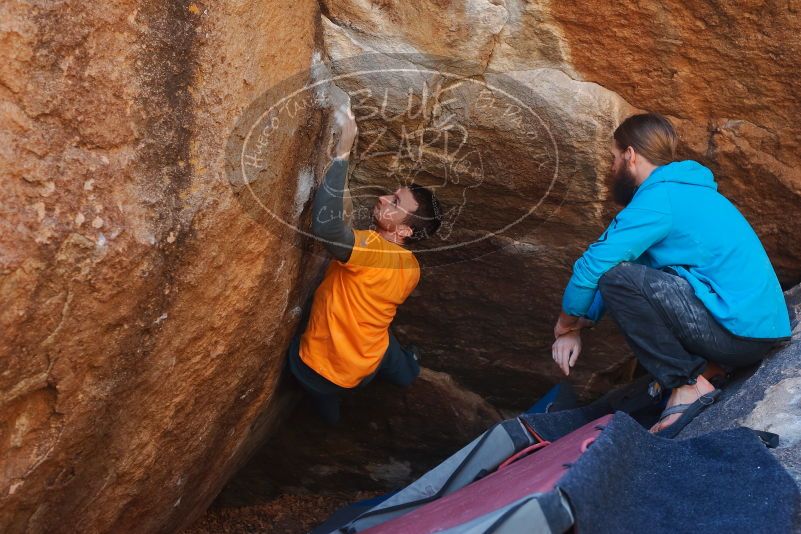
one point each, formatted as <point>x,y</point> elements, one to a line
<point>678,219</point>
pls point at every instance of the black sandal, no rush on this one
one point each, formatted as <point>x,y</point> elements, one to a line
<point>688,413</point>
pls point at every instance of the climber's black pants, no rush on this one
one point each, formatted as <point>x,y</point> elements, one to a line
<point>398,366</point>
<point>669,329</point>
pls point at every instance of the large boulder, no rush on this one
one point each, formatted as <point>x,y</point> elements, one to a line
<point>145,308</point>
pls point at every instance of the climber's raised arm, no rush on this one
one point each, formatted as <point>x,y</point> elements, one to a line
<point>328,213</point>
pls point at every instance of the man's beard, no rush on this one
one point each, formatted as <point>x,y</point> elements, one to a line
<point>624,185</point>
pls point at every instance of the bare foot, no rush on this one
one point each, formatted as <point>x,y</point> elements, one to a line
<point>686,394</point>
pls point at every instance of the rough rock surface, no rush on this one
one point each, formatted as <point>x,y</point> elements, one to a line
<point>147,300</point>
<point>144,311</point>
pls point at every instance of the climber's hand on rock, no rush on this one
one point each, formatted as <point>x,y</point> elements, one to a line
<point>566,350</point>
<point>346,122</point>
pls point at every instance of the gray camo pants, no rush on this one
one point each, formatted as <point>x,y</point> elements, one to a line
<point>669,329</point>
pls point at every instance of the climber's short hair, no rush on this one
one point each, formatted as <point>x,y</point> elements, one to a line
<point>651,135</point>
<point>427,218</point>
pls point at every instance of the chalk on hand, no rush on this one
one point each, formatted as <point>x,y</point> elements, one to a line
<point>343,115</point>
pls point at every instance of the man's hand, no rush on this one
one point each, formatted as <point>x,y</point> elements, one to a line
<point>569,323</point>
<point>566,323</point>
<point>566,350</point>
<point>348,130</point>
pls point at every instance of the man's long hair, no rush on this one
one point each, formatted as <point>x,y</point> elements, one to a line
<point>650,135</point>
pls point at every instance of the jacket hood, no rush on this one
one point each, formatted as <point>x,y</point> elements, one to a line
<point>683,172</point>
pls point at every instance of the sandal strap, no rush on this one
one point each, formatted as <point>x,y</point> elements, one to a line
<point>705,399</point>
<point>679,408</point>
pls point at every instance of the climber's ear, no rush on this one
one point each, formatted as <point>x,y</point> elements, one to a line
<point>404,230</point>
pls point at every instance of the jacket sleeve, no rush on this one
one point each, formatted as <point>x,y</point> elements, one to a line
<point>597,308</point>
<point>631,232</point>
<point>328,213</point>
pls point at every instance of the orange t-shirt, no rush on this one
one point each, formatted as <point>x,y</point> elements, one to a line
<point>348,330</point>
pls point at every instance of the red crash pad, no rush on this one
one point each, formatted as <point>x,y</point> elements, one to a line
<point>536,473</point>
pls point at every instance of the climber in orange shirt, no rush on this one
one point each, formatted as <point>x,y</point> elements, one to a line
<point>347,341</point>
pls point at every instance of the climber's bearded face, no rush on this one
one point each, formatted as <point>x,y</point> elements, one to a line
<point>390,212</point>
<point>622,184</point>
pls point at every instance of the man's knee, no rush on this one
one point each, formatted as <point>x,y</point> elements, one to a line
<point>621,276</point>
